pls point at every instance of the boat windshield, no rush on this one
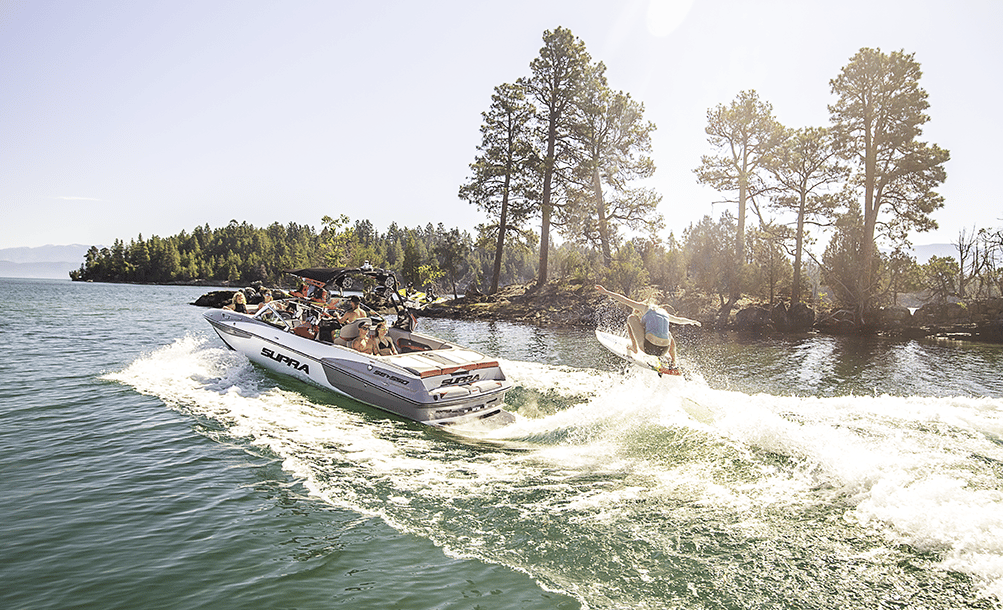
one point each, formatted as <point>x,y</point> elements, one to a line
<point>272,314</point>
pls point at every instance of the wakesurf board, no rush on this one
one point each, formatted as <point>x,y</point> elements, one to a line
<point>621,347</point>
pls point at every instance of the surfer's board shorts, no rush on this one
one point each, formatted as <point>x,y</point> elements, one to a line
<point>655,350</point>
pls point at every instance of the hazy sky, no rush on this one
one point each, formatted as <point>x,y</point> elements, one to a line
<point>122,117</point>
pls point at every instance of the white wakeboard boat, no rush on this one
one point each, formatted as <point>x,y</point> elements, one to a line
<point>429,381</point>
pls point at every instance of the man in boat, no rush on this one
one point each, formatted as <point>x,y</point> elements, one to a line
<point>353,313</point>
<point>651,323</point>
<point>364,343</point>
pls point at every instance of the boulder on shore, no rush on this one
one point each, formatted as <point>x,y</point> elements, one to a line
<point>254,295</point>
<point>798,318</point>
<point>753,319</point>
<point>215,299</point>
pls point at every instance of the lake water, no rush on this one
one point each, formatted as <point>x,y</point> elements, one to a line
<point>145,466</point>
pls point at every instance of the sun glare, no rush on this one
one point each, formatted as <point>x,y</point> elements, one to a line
<point>664,16</point>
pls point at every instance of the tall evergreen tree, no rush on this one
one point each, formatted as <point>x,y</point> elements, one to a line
<point>337,240</point>
<point>746,136</point>
<point>877,120</point>
<point>504,173</point>
<point>711,265</point>
<point>613,150</point>
<point>807,172</point>
<point>452,256</point>
<point>555,83</point>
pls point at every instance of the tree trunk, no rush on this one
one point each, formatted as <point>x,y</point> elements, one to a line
<point>502,228</point>
<point>736,282</point>
<point>544,245</point>
<point>870,222</point>
<point>725,312</point>
<point>545,207</point>
<point>799,245</point>
<point>601,215</point>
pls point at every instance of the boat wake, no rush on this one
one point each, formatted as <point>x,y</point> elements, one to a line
<point>626,489</point>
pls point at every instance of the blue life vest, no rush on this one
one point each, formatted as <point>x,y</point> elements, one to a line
<point>656,322</point>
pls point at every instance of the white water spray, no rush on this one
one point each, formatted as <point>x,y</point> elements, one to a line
<point>920,471</point>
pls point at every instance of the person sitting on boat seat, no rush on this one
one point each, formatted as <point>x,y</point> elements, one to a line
<point>649,323</point>
<point>383,344</point>
<point>238,303</point>
<point>354,311</point>
<point>364,343</point>
<point>350,332</point>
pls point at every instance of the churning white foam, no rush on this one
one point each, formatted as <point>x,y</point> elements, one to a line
<point>920,471</point>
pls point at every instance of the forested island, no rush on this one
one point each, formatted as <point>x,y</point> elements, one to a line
<point>564,152</point>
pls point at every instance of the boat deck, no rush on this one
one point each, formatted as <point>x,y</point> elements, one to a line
<point>441,362</point>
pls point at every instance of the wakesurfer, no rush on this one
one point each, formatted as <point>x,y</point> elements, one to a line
<point>650,322</point>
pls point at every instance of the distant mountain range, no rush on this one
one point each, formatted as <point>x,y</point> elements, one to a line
<point>924,253</point>
<point>43,262</point>
<point>56,262</point>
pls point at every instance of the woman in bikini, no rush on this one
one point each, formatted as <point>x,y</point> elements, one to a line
<point>364,343</point>
<point>384,345</point>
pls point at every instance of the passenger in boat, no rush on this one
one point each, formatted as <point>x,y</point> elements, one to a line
<point>266,298</point>
<point>384,345</point>
<point>319,296</point>
<point>651,323</point>
<point>353,313</point>
<point>238,303</point>
<point>364,343</point>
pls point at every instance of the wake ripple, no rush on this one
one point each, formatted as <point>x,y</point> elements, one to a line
<point>632,489</point>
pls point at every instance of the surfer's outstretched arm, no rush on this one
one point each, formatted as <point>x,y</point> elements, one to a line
<point>622,299</point>
<point>683,321</point>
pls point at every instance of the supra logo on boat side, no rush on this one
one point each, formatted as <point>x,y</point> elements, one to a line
<point>277,357</point>
<point>460,380</point>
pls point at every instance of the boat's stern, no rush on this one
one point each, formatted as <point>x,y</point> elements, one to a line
<point>420,387</point>
<point>456,385</point>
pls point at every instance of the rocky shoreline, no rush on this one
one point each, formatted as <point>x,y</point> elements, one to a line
<point>578,305</point>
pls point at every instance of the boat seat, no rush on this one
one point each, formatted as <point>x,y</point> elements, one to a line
<point>405,345</point>
<point>328,331</point>
<point>306,330</point>
<point>350,332</point>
